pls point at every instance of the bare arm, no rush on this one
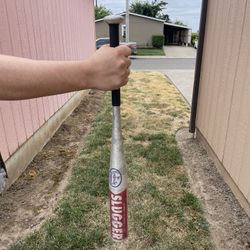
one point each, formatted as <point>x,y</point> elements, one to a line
<point>22,78</point>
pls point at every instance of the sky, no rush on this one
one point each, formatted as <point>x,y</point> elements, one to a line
<point>187,11</point>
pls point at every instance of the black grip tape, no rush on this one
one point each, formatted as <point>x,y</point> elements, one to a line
<point>114,42</point>
<point>116,97</point>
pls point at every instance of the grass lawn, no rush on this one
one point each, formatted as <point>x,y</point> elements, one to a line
<point>163,211</point>
<point>150,52</point>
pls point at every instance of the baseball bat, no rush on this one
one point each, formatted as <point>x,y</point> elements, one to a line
<point>117,171</point>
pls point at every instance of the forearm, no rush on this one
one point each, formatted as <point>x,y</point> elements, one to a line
<point>24,78</point>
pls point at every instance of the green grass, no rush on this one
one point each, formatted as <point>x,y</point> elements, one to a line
<point>150,52</point>
<point>163,211</point>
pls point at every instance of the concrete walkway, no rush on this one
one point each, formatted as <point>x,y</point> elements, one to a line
<point>179,52</point>
<point>183,80</point>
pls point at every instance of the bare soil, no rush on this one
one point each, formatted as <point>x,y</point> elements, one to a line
<point>31,200</point>
<point>229,224</point>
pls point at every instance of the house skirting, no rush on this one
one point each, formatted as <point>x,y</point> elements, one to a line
<point>18,161</point>
<point>223,172</point>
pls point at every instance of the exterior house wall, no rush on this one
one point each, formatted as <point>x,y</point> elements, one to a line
<point>44,30</point>
<point>223,115</point>
<point>102,29</point>
<point>141,30</point>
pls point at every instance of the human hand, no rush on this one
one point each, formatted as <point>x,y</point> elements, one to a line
<point>108,68</point>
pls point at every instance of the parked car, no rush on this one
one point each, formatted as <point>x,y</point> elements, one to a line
<point>101,41</point>
<point>105,40</point>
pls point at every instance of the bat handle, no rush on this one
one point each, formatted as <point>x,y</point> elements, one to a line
<point>114,22</point>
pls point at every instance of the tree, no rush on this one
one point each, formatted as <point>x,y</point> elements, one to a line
<point>101,11</point>
<point>179,23</point>
<point>155,8</point>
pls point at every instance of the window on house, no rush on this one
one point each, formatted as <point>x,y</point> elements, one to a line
<point>124,30</point>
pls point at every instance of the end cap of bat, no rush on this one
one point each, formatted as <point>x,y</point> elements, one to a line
<point>113,19</point>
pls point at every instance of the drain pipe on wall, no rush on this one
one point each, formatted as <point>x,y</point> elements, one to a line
<point>3,174</point>
<point>202,31</point>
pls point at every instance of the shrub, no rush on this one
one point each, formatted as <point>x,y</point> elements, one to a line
<point>158,41</point>
<point>194,38</point>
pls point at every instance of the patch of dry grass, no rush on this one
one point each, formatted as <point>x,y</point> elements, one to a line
<point>154,104</point>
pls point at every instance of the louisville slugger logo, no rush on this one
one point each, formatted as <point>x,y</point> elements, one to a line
<point>115,177</point>
<point>118,209</point>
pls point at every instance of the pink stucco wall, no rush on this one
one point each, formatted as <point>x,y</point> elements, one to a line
<point>46,30</point>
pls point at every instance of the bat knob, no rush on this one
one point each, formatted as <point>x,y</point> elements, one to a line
<point>113,19</point>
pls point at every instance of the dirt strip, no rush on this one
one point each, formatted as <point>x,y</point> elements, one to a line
<point>229,224</point>
<point>31,199</point>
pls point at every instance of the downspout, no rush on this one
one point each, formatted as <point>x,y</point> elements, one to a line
<point>3,174</point>
<point>202,32</point>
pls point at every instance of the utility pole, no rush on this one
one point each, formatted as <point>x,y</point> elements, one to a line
<point>95,3</point>
<point>127,21</point>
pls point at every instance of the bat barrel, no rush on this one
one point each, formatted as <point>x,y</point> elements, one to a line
<point>118,182</point>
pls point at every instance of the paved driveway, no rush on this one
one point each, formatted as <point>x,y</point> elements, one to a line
<point>162,63</point>
<point>180,52</point>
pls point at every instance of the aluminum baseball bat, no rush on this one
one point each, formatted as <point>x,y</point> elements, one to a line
<point>117,171</point>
